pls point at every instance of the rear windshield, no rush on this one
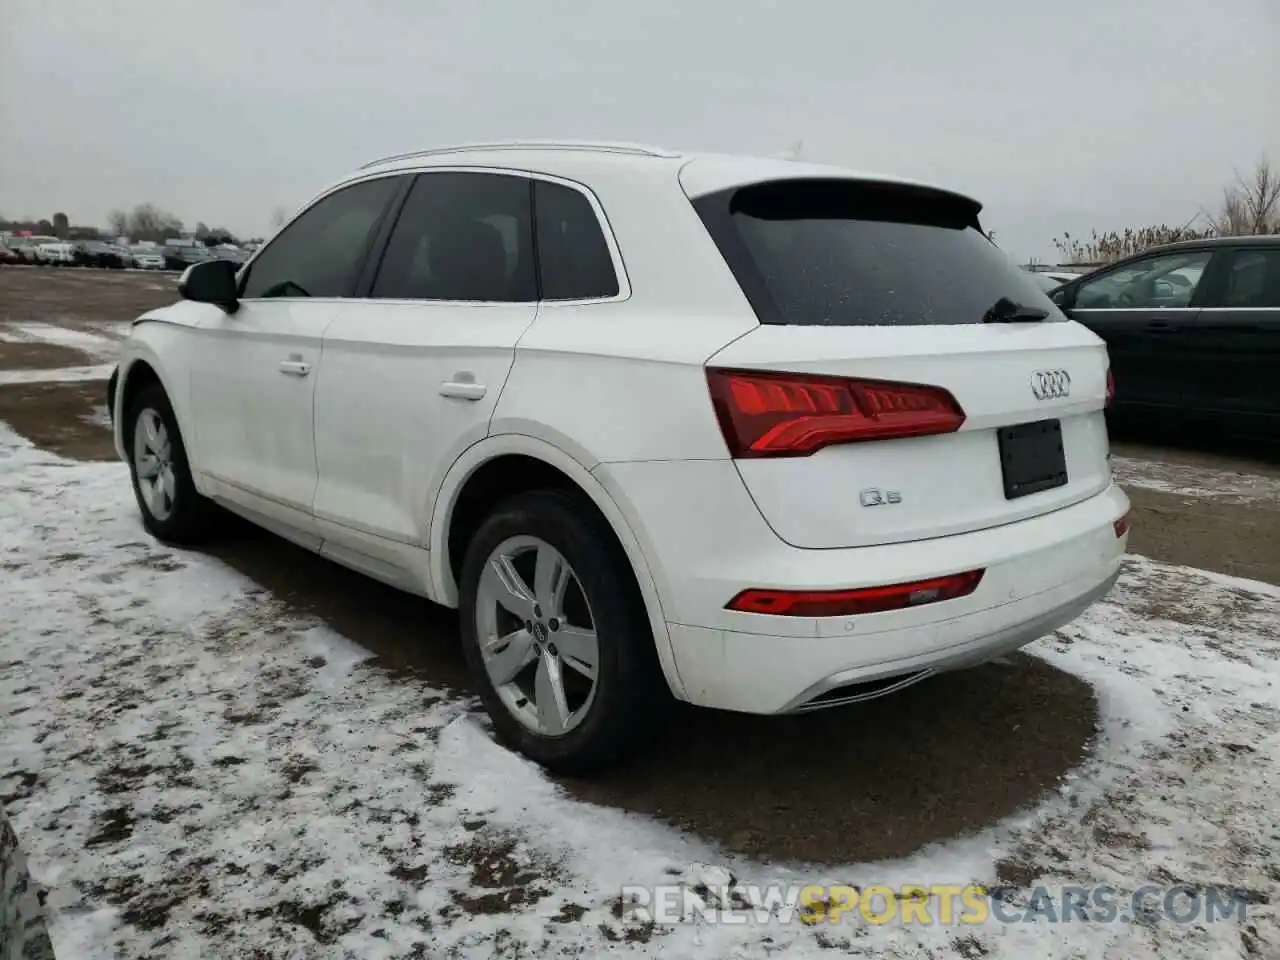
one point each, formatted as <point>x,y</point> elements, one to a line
<point>850,253</point>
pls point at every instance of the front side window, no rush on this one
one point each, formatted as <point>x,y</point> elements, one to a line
<point>1253,279</point>
<point>1163,280</point>
<point>573,258</point>
<point>319,253</point>
<point>461,236</point>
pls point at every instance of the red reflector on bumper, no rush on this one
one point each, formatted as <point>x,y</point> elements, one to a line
<point>840,603</point>
<point>1122,526</point>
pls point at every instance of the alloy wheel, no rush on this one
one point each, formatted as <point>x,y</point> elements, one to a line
<point>153,464</point>
<point>537,636</point>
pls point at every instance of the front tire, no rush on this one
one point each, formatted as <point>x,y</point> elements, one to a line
<point>172,509</point>
<point>556,635</point>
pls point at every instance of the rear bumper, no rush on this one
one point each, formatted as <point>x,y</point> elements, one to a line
<point>706,541</point>
<point>753,673</point>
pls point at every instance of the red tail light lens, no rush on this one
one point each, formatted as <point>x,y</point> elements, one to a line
<point>767,414</point>
<point>1111,388</point>
<point>840,603</point>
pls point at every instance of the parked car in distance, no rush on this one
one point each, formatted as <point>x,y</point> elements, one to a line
<point>762,435</point>
<point>9,257</point>
<point>231,253</point>
<point>181,257</point>
<point>148,258</point>
<point>1193,329</point>
<point>95,253</point>
<point>58,254</point>
<point>29,248</point>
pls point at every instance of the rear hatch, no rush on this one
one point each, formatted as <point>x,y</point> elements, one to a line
<point>907,380</point>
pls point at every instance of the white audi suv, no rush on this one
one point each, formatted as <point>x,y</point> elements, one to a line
<point>760,435</point>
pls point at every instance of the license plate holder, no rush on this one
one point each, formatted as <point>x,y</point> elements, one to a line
<point>1032,458</point>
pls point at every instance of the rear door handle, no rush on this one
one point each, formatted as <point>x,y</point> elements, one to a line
<point>1162,326</point>
<point>462,389</point>
<point>295,368</point>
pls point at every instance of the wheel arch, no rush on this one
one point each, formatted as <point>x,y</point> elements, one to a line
<point>504,464</point>
<point>134,372</point>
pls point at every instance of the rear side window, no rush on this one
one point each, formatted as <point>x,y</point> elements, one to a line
<point>1253,279</point>
<point>318,254</point>
<point>461,236</point>
<point>573,257</point>
<point>853,253</point>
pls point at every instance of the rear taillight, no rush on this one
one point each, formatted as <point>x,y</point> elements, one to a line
<point>1111,388</point>
<point>767,414</point>
<point>842,603</point>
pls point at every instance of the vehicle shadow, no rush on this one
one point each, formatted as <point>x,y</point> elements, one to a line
<point>852,784</point>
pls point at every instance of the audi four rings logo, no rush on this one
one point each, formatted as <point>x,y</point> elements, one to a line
<point>1051,384</point>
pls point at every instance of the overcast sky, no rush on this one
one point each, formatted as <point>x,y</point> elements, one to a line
<point>1058,116</point>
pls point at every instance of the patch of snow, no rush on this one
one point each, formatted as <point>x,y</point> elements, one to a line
<point>101,371</point>
<point>100,416</point>
<point>91,343</point>
<point>1188,480</point>
<point>196,771</point>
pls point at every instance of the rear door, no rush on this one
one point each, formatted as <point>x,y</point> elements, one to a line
<point>1236,342</point>
<point>892,392</point>
<point>1144,309</point>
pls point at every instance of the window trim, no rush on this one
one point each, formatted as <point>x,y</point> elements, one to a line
<point>365,287</point>
<point>391,210</point>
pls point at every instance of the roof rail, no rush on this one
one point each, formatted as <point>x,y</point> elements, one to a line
<point>604,146</point>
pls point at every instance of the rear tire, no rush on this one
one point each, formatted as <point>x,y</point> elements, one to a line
<point>598,605</point>
<point>172,509</point>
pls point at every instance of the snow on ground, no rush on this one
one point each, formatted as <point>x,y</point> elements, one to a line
<point>100,416</point>
<point>100,371</point>
<point>195,772</point>
<point>94,344</point>
<point>1188,480</point>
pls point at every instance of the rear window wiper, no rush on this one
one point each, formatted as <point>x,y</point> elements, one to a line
<point>1005,310</point>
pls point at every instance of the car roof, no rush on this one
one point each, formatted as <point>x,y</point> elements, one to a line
<point>699,173</point>
<point>1265,239</point>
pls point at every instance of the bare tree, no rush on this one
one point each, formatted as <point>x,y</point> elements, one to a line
<point>149,222</point>
<point>1250,205</point>
<point>118,223</point>
<point>278,217</point>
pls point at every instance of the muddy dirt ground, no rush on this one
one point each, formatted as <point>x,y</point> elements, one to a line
<point>761,786</point>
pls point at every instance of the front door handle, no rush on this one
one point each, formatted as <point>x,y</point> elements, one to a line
<point>295,368</point>
<point>1162,326</point>
<point>462,389</point>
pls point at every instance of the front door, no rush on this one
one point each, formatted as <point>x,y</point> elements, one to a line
<point>412,373</point>
<point>252,388</point>
<point>253,383</point>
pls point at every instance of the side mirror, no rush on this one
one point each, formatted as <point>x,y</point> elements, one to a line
<point>212,281</point>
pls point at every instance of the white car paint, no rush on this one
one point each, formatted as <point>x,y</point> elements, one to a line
<point>57,253</point>
<point>362,456</point>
